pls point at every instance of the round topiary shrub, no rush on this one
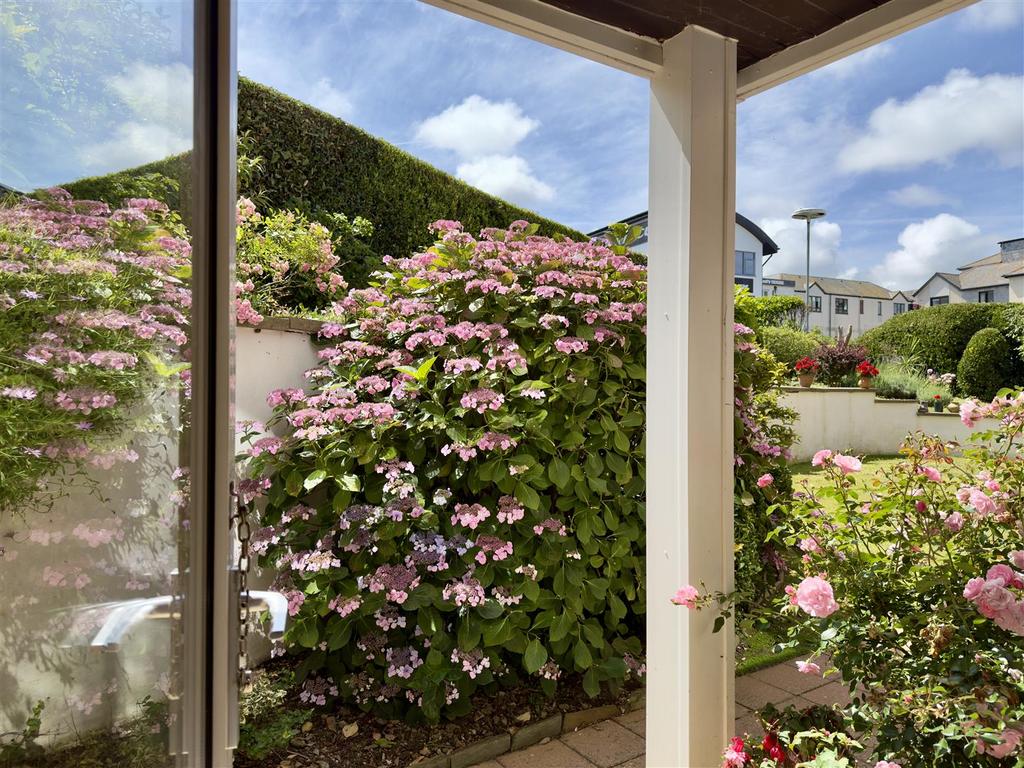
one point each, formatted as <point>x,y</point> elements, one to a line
<point>985,367</point>
<point>457,497</point>
<point>788,344</point>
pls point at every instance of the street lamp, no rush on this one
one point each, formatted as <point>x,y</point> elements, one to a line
<point>808,215</point>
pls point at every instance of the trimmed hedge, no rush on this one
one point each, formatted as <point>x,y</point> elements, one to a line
<point>318,164</point>
<point>777,310</point>
<point>935,337</point>
<point>985,366</point>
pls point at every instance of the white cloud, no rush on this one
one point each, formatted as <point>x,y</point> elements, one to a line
<point>993,15</point>
<point>506,176</point>
<point>791,237</point>
<point>939,244</point>
<point>159,100</point>
<point>856,62</point>
<point>323,95</point>
<point>477,127</point>
<point>918,196</point>
<point>963,112</point>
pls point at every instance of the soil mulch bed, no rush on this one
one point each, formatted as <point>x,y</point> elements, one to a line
<point>394,744</point>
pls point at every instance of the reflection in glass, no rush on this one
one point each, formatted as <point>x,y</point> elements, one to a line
<point>94,379</point>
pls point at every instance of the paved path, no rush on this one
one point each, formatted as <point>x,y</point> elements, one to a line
<point>619,743</point>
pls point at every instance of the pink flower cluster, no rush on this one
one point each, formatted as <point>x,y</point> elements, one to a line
<point>998,596</point>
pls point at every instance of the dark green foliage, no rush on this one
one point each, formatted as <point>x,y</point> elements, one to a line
<point>317,164</point>
<point>934,337</point>
<point>985,366</point>
<point>166,180</point>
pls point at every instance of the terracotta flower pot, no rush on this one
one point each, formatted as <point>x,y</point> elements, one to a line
<point>806,379</point>
<point>865,382</point>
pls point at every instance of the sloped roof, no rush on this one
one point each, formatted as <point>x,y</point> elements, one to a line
<point>983,276</point>
<point>768,245</point>
<point>835,286</point>
<point>1018,270</point>
<point>995,258</point>
<point>949,277</point>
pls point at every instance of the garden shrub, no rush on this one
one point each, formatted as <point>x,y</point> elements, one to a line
<point>932,337</point>
<point>914,588</point>
<point>762,438</point>
<point>985,366</point>
<point>91,304</point>
<point>287,264</point>
<point>458,498</point>
<point>789,344</point>
<point>896,382</point>
<point>316,164</point>
<point>778,310</point>
<point>839,361</point>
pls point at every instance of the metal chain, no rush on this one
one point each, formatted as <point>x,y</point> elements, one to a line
<point>243,531</point>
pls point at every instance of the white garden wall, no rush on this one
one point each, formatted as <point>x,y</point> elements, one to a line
<point>854,421</point>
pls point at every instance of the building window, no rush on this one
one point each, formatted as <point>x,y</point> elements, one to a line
<point>746,282</point>
<point>879,309</point>
<point>842,306</point>
<point>938,300</point>
<point>746,263</point>
<point>862,306</point>
<point>815,303</point>
<point>986,297</point>
<point>898,308</point>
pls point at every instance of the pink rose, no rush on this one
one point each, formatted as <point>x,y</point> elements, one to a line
<point>995,599</point>
<point>814,596</point>
<point>981,502</point>
<point>686,596</point>
<point>954,521</point>
<point>973,588</point>
<point>1003,572</point>
<point>848,464</point>
<point>887,764</point>
<point>1017,558</point>
<point>808,668</point>
<point>969,413</point>
<point>821,457</point>
<point>765,480</point>
<point>931,473</point>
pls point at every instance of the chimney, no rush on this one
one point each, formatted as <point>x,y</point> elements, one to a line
<point>1012,250</point>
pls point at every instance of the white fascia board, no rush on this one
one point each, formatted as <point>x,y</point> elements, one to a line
<point>870,28</point>
<point>546,24</point>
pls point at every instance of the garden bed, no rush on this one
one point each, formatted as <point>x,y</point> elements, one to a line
<point>515,717</point>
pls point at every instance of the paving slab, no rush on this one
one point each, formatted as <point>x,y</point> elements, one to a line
<point>554,754</point>
<point>636,722</point>
<point>606,744</point>
<point>789,678</point>
<point>754,694</point>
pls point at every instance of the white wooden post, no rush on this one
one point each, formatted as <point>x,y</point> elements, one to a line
<point>690,396</point>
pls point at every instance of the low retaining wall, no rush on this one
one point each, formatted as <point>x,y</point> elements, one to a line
<point>855,421</point>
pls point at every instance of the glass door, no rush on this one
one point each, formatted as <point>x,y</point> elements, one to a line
<point>116,163</point>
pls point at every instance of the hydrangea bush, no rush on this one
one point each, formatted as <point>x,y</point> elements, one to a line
<point>92,308</point>
<point>914,592</point>
<point>456,498</point>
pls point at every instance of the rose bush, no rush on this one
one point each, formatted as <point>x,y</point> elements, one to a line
<point>915,592</point>
<point>457,497</point>
<point>92,314</point>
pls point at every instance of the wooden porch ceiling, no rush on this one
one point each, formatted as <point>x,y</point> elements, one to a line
<point>761,27</point>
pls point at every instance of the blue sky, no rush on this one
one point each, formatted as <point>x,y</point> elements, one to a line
<point>915,147</point>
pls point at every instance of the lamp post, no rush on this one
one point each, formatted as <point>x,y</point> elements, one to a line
<point>808,215</point>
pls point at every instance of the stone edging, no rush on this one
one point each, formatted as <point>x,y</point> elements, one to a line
<point>290,325</point>
<point>549,728</point>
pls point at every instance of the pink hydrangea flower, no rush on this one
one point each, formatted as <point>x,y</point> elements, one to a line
<point>814,596</point>
<point>765,480</point>
<point>686,596</point>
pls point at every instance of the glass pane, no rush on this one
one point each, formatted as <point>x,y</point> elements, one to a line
<point>94,379</point>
